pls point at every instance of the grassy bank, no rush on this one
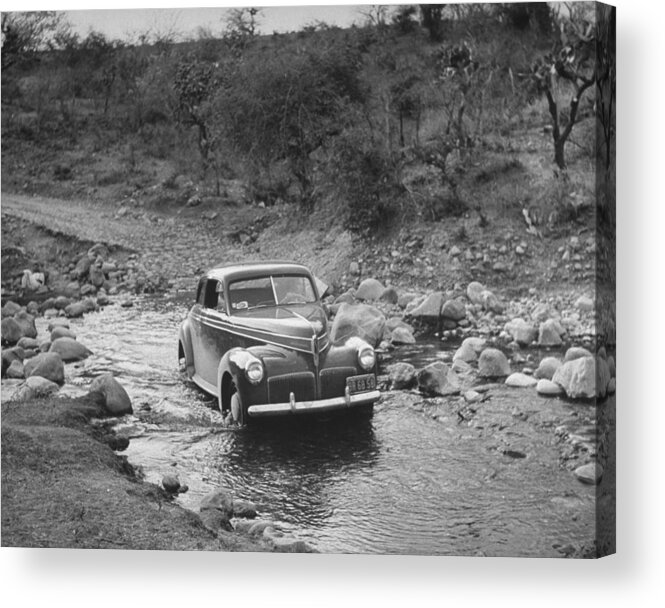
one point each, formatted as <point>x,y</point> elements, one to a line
<point>64,486</point>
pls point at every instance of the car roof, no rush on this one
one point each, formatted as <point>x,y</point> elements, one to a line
<point>242,270</point>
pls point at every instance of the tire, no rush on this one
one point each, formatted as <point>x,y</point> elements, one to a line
<point>236,407</point>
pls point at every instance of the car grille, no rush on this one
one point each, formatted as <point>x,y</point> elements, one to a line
<point>333,381</point>
<point>302,385</point>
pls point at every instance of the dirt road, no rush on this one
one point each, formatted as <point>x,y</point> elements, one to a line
<point>176,247</point>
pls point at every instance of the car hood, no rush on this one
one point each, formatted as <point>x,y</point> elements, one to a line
<point>292,326</point>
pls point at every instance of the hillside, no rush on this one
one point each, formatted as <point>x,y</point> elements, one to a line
<point>428,162</point>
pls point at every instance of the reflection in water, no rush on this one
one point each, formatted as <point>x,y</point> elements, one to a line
<point>400,482</point>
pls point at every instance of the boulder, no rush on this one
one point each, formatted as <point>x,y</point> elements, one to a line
<point>369,290</point>
<point>548,334</point>
<point>402,375</point>
<point>15,370</point>
<point>219,505</point>
<point>360,320</point>
<point>395,322</point>
<point>493,364</point>
<point>590,473</point>
<point>548,388</point>
<point>27,323</point>
<point>461,367</point>
<point>77,309</point>
<point>469,349</point>
<point>61,302</point>
<point>96,276</point>
<point>116,399</point>
<point>171,483</point>
<point>584,304</point>
<point>244,509</point>
<point>345,298</point>
<point>9,355</point>
<point>547,367</point>
<point>577,378</point>
<point>522,332</point>
<point>401,335</point>
<point>28,343</point>
<point>69,349</point>
<point>62,332</point>
<point>33,308</point>
<point>520,380</point>
<point>35,387</point>
<point>474,291</point>
<point>437,379</point>
<point>46,365</point>
<point>10,309</point>
<point>612,366</point>
<point>490,302</point>
<point>453,310</point>
<point>405,299</point>
<point>612,386</point>
<point>390,295</point>
<point>430,309</point>
<point>575,352</point>
<point>11,330</point>
<point>83,267</point>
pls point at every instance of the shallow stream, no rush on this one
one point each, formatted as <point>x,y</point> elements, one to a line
<point>423,476</point>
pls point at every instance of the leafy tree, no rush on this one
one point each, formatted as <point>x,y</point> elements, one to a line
<point>571,61</point>
<point>287,107</point>
<point>241,27</point>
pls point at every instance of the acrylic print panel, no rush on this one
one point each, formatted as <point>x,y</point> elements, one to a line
<point>442,384</point>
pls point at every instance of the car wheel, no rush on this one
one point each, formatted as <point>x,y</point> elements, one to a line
<point>236,407</point>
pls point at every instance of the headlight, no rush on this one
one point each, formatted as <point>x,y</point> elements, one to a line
<point>254,371</point>
<point>366,357</point>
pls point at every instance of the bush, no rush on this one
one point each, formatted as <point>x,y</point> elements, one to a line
<point>367,179</point>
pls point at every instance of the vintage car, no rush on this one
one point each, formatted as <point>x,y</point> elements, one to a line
<point>257,339</point>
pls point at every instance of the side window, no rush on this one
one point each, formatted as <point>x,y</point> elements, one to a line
<point>221,302</point>
<point>210,294</point>
<point>200,293</point>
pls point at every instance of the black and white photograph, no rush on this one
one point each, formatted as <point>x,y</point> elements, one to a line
<point>310,279</point>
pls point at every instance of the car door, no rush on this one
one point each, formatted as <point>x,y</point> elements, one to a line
<point>212,338</point>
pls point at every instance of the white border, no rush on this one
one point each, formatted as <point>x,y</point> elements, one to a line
<point>635,576</point>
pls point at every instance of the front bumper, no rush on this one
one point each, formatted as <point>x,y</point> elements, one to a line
<point>311,407</point>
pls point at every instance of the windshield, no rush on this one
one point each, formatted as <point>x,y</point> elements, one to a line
<point>270,291</point>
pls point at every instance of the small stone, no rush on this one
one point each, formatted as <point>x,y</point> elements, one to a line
<point>548,388</point>
<point>520,380</point>
<point>590,473</point>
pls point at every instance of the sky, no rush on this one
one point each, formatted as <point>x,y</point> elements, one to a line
<point>120,20</point>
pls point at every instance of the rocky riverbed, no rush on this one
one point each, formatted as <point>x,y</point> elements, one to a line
<point>537,366</point>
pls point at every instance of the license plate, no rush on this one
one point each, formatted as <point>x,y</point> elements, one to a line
<point>361,384</point>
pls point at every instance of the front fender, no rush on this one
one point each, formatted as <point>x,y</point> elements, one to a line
<point>185,347</point>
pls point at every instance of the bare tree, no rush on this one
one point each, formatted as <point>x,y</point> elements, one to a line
<point>571,62</point>
<point>26,33</point>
